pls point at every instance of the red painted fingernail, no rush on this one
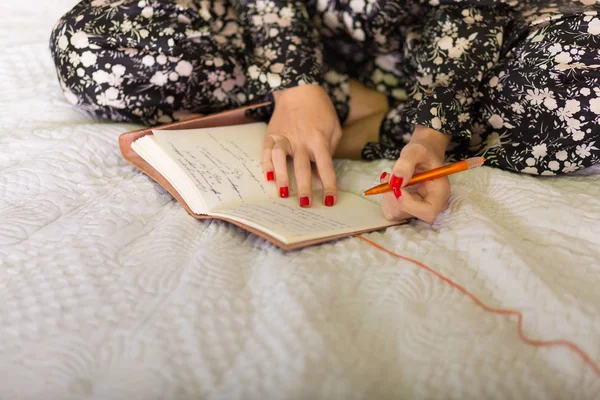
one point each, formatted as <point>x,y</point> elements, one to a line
<point>395,182</point>
<point>397,192</point>
<point>329,201</point>
<point>304,201</point>
<point>284,191</point>
<point>270,176</point>
<point>382,176</point>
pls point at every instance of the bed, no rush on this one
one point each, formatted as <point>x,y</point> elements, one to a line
<point>109,290</point>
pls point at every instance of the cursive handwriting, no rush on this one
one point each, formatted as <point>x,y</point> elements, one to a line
<point>224,162</point>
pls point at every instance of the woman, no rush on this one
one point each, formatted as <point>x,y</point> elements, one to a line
<point>417,81</point>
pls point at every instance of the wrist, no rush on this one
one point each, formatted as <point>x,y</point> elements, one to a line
<point>436,141</point>
<point>300,90</point>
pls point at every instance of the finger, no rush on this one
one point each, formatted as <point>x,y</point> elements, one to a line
<point>426,208</point>
<point>336,137</point>
<point>404,167</point>
<point>303,173</point>
<point>279,158</point>
<point>436,193</point>
<point>392,209</point>
<point>267,155</point>
<point>324,163</point>
<point>384,177</point>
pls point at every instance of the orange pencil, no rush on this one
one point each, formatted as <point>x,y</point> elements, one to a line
<point>440,172</point>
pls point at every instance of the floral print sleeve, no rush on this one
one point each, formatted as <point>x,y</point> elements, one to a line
<point>285,47</point>
<point>513,80</point>
<point>457,43</point>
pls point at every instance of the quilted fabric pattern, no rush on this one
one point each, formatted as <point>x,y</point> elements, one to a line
<point>108,290</point>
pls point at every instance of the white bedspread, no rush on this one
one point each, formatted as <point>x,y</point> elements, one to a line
<point>109,290</point>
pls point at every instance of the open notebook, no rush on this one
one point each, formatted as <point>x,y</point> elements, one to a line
<point>215,172</point>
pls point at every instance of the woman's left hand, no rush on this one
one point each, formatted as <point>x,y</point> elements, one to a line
<point>305,127</point>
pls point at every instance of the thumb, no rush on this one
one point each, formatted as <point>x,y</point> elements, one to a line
<point>404,168</point>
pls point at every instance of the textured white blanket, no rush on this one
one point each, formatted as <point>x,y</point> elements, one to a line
<point>109,290</point>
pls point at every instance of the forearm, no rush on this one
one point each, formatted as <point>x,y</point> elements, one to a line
<point>460,43</point>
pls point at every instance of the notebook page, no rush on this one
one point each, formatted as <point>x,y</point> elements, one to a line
<point>148,148</point>
<point>224,163</point>
<point>286,221</point>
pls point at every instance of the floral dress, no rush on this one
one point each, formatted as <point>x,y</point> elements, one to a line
<point>515,81</point>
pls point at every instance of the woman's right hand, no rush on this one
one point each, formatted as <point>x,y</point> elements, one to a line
<point>424,152</point>
<point>304,126</point>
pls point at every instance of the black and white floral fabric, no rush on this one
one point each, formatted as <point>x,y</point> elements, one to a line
<point>515,81</point>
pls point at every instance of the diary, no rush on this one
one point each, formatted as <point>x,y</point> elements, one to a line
<point>212,166</point>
